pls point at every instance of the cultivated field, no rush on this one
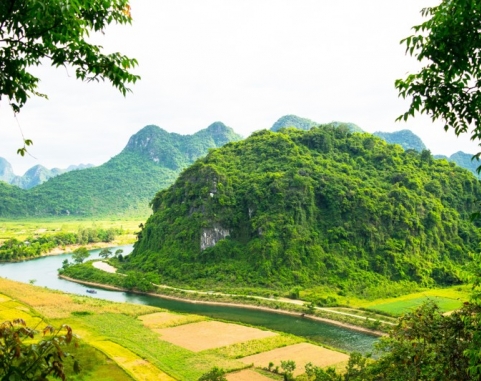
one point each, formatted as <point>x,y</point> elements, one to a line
<point>23,228</point>
<point>122,342</point>
<point>210,334</point>
<point>301,354</point>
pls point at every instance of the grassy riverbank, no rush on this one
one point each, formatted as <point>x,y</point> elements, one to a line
<point>375,316</point>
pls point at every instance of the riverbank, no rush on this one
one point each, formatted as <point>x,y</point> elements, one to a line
<point>235,304</point>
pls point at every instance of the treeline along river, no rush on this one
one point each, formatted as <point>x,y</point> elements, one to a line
<point>44,272</point>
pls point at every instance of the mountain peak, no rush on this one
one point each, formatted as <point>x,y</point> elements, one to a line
<point>293,121</point>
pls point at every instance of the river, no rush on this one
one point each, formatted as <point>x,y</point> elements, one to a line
<point>44,271</point>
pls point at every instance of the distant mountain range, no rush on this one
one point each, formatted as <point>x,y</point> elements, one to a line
<point>35,175</point>
<point>125,184</point>
<point>405,138</point>
<point>150,162</point>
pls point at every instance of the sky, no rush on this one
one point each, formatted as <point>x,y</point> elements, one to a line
<point>243,62</point>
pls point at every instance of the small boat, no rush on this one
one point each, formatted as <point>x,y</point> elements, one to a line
<point>90,291</point>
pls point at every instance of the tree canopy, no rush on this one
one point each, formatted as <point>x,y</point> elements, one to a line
<point>33,30</point>
<point>448,87</point>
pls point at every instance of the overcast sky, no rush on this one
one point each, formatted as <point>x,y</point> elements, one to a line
<point>243,62</point>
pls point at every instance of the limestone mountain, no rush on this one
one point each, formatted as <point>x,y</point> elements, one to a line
<point>405,138</point>
<point>306,124</point>
<point>36,175</point>
<point>308,208</point>
<point>124,185</point>
<point>464,160</point>
<point>6,171</point>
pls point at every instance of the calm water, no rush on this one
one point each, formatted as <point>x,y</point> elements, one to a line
<point>44,271</point>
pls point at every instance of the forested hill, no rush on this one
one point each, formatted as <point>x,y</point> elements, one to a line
<point>124,185</point>
<point>405,138</point>
<point>322,206</point>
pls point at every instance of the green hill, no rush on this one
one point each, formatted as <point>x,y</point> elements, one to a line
<point>306,124</point>
<point>405,138</point>
<point>125,184</point>
<point>308,208</point>
<point>464,160</point>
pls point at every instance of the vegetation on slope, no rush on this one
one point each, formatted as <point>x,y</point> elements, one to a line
<point>405,138</point>
<point>322,207</point>
<point>124,185</point>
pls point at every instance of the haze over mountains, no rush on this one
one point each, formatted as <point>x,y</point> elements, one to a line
<point>151,161</point>
<point>125,185</point>
<point>36,175</point>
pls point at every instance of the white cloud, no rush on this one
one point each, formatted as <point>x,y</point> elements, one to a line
<point>245,63</point>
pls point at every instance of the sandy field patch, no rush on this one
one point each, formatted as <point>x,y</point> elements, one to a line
<point>104,266</point>
<point>301,354</point>
<point>246,375</point>
<point>167,319</point>
<point>210,334</point>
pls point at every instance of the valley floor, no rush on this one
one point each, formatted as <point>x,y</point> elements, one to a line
<point>121,341</point>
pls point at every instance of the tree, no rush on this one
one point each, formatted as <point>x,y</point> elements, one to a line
<point>32,31</point>
<point>215,374</point>
<point>80,254</point>
<point>22,358</point>
<point>105,253</point>
<point>448,87</point>
<point>118,252</point>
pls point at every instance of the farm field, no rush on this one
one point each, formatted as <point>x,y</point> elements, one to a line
<point>23,228</point>
<point>122,341</point>
<point>447,299</point>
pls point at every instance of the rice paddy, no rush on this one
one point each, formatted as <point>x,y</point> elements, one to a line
<point>123,341</point>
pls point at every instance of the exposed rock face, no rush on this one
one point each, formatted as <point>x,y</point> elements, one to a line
<point>209,237</point>
<point>6,171</point>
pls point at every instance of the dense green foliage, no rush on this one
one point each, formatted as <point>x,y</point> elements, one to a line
<point>22,359</point>
<point>323,206</point>
<point>447,87</point>
<point>464,160</point>
<point>133,280</point>
<point>405,138</point>
<point>124,185</point>
<point>32,31</point>
<point>425,345</point>
<point>306,124</point>
<point>13,249</point>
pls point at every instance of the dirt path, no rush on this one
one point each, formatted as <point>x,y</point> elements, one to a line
<point>298,302</point>
<point>106,267</point>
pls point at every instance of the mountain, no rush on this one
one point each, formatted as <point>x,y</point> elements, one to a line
<point>307,124</point>
<point>464,160</point>
<point>308,208</point>
<point>125,185</point>
<point>34,176</point>
<point>6,171</point>
<point>405,138</point>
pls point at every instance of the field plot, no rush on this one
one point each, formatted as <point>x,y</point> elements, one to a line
<point>402,306</point>
<point>168,319</point>
<point>210,334</point>
<point>247,375</point>
<point>301,354</point>
<point>57,305</point>
<point>138,368</point>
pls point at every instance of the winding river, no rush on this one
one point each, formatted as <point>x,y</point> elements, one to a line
<point>44,271</point>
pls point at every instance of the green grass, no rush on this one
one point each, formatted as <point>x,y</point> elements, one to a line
<point>173,360</point>
<point>253,347</point>
<point>23,228</point>
<point>402,306</point>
